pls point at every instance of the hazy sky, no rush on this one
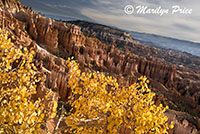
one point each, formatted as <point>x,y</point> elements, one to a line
<point>111,12</point>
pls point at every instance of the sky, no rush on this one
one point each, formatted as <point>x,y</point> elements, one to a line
<point>111,12</point>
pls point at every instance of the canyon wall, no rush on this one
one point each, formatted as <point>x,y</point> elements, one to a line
<point>55,41</point>
<point>56,36</point>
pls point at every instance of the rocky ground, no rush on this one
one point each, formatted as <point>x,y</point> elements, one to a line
<point>174,76</point>
<point>182,69</point>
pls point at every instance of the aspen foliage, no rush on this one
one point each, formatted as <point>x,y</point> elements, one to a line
<point>100,105</point>
<point>18,78</point>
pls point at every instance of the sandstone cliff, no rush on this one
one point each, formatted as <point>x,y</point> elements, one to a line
<point>186,80</point>
<point>54,41</point>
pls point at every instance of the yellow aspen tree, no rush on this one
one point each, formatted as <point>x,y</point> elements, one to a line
<point>18,77</point>
<point>102,106</point>
<point>99,104</point>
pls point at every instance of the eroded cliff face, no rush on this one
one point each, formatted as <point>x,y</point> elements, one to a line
<point>13,5</point>
<point>185,82</point>
<point>124,41</point>
<point>55,36</point>
<point>93,54</point>
<point>55,41</point>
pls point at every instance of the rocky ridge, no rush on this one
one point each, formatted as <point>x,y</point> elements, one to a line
<point>124,41</point>
<point>55,41</point>
<point>186,81</point>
